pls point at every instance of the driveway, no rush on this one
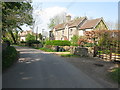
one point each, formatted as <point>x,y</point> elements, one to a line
<point>36,69</point>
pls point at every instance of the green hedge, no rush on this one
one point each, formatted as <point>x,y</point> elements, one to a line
<point>58,42</point>
<point>32,42</point>
<point>8,57</point>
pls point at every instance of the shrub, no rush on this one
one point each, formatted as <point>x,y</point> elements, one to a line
<point>5,40</point>
<point>30,37</point>
<point>74,40</point>
<point>89,45</point>
<point>8,57</point>
<point>58,43</point>
<point>23,42</point>
<point>30,42</point>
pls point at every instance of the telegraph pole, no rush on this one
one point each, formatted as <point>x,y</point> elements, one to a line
<point>42,35</point>
<point>36,33</point>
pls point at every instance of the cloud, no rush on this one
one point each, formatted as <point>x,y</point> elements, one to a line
<point>45,15</point>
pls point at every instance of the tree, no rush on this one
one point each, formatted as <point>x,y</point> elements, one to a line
<point>74,40</point>
<point>75,18</point>
<point>60,18</point>
<point>40,36</point>
<point>14,15</point>
<point>30,37</point>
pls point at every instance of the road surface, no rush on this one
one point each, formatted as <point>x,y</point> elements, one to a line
<point>36,69</point>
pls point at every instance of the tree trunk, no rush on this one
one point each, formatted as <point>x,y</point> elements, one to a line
<point>13,37</point>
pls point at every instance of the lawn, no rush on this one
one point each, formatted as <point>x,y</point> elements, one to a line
<point>69,55</point>
<point>47,49</point>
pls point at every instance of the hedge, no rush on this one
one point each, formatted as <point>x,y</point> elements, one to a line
<point>58,42</point>
<point>8,57</point>
<point>33,42</point>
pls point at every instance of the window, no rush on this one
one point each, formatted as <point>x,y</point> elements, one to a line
<point>63,32</point>
<point>71,31</point>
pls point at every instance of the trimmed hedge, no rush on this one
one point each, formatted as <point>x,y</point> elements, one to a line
<point>58,42</point>
<point>32,42</point>
<point>8,57</point>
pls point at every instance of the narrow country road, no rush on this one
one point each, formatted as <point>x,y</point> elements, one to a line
<point>36,69</point>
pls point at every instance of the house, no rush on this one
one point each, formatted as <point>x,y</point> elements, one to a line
<point>23,34</point>
<point>78,26</point>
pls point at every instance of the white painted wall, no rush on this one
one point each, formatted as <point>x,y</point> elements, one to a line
<point>81,33</point>
<point>22,39</point>
<point>88,29</point>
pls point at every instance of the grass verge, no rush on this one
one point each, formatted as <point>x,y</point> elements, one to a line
<point>47,49</point>
<point>115,75</point>
<point>69,55</point>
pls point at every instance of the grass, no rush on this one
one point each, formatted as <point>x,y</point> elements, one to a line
<point>47,49</point>
<point>115,75</point>
<point>69,55</point>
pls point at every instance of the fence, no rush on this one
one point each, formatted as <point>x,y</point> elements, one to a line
<point>107,53</point>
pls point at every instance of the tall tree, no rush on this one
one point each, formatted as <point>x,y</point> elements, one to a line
<point>59,18</point>
<point>14,15</point>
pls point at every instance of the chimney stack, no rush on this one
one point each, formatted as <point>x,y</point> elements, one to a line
<point>68,18</point>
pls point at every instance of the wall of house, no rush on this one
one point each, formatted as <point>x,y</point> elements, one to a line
<point>73,31</point>
<point>66,31</point>
<point>22,39</point>
<point>81,33</point>
<point>101,26</point>
<point>58,35</point>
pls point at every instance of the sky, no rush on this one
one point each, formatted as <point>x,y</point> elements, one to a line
<point>43,11</point>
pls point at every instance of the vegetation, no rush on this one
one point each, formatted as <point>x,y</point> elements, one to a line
<point>115,75</point>
<point>69,55</point>
<point>8,57</point>
<point>74,40</point>
<point>30,37</point>
<point>58,19</point>
<point>58,42</point>
<point>47,49</point>
<point>14,15</point>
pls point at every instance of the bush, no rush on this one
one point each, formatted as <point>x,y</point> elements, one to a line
<point>89,45</point>
<point>23,42</point>
<point>30,37</point>
<point>6,41</point>
<point>58,43</point>
<point>74,40</point>
<point>8,57</point>
<point>30,42</point>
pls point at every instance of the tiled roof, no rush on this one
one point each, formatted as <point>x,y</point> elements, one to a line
<point>90,23</point>
<point>71,23</point>
<point>76,22</point>
<point>60,26</point>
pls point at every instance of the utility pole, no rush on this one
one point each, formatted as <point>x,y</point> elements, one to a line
<point>42,35</point>
<point>36,33</point>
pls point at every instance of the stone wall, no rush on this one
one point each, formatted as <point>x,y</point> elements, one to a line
<point>81,51</point>
<point>37,45</point>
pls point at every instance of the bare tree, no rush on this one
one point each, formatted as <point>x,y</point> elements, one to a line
<point>58,19</point>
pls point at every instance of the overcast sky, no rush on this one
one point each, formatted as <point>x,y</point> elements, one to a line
<point>46,10</point>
